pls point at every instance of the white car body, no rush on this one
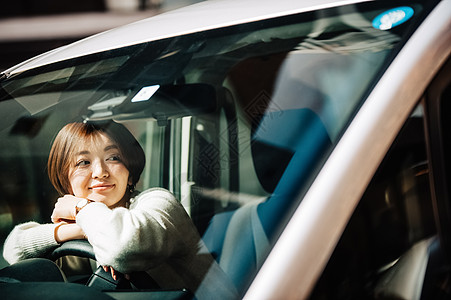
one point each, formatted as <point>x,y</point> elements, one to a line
<point>194,18</point>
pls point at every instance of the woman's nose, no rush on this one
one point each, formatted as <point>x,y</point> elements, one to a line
<point>99,170</point>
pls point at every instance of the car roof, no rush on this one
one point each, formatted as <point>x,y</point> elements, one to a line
<point>194,18</point>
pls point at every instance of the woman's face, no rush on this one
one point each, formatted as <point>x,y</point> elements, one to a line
<point>98,173</point>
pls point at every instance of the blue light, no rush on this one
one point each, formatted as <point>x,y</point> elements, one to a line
<point>393,17</point>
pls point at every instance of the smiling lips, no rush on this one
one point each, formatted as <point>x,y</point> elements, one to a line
<point>101,187</point>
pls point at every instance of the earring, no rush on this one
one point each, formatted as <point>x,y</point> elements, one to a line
<point>131,188</point>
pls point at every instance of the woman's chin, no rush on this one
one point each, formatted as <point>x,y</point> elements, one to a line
<point>98,198</point>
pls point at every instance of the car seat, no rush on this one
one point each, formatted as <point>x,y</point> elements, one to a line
<point>294,141</point>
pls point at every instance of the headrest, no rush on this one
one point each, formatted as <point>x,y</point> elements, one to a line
<point>278,136</point>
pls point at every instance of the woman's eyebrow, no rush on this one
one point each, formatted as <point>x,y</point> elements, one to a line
<point>107,148</point>
<point>111,147</point>
<point>84,152</point>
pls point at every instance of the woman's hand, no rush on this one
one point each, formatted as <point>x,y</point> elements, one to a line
<point>64,210</point>
<point>114,273</point>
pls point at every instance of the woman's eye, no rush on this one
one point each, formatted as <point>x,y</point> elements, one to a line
<point>114,158</point>
<point>82,163</point>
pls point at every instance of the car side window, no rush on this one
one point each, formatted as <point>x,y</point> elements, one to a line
<point>394,214</point>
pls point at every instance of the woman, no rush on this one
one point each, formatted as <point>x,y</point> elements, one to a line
<point>95,167</point>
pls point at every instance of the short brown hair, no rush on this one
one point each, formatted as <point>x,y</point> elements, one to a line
<point>67,139</point>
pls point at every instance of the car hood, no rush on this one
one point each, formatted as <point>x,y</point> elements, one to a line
<point>195,18</point>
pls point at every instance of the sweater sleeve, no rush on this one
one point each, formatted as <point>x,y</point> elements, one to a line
<point>29,240</point>
<point>154,228</point>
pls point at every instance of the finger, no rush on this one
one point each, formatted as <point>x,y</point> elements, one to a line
<point>106,268</point>
<point>64,208</point>
<point>113,274</point>
<point>55,219</point>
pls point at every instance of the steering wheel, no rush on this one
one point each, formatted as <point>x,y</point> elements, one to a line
<point>81,248</point>
<point>101,279</point>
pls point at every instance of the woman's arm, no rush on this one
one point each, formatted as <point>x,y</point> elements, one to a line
<point>155,227</point>
<point>32,239</point>
<point>68,231</point>
<point>29,240</point>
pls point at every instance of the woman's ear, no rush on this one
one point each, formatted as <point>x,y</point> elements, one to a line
<point>130,185</point>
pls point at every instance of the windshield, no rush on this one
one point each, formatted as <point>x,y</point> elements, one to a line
<point>230,118</point>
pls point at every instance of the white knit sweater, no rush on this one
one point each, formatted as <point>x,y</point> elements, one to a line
<point>154,234</point>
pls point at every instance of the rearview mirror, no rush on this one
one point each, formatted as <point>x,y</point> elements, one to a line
<point>160,103</point>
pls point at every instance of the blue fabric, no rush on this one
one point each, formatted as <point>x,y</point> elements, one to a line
<point>215,234</point>
<point>299,131</point>
<point>306,135</point>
